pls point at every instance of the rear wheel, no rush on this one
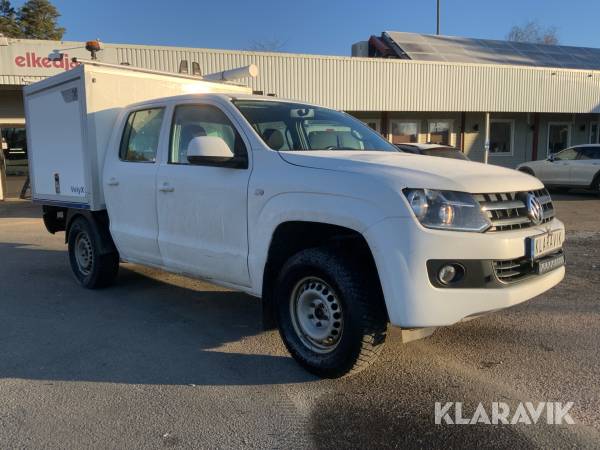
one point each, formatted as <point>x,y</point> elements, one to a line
<point>596,184</point>
<point>91,268</point>
<point>330,313</point>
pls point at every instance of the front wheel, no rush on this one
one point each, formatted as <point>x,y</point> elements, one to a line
<point>92,268</point>
<point>330,312</point>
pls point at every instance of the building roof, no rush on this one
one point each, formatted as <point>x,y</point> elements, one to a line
<point>424,47</point>
<point>343,82</point>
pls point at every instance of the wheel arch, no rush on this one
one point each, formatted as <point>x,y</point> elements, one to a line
<point>528,170</point>
<point>596,181</point>
<point>293,236</point>
<point>99,222</point>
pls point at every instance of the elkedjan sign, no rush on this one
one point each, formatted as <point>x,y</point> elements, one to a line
<point>31,59</point>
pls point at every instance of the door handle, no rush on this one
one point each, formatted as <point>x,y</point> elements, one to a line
<point>166,188</point>
<point>113,182</point>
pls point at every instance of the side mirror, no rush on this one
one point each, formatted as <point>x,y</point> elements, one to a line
<point>552,157</point>
<point>213,151</point>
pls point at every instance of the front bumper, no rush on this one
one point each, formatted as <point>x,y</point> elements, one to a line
<point>401,249</point>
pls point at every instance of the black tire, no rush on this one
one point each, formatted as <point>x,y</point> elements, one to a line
<point>596,184</point>
<point>358,294</point>
<point>559,189</point>
<point>98,270</point>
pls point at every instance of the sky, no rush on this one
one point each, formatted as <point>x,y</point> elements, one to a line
<point>314,26</point>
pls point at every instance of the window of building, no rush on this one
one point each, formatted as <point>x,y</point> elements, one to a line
<point>501,137</point>
<point>440,132</point>
<point>374,124</point>
<point>404,131</point>
<point>141,135</point>
<point>192,121</point>
<point>559,136</point>
<point>594,133</point>
<point>15,141</point>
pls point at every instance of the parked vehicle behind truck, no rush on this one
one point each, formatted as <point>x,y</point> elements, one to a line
<point>337,231</point>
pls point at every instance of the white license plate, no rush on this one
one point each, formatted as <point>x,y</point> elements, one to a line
<point>544,244</point>
<point>549,263</point>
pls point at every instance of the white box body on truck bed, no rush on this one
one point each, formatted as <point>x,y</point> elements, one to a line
<point>70,118</point>
<point>337,231</point>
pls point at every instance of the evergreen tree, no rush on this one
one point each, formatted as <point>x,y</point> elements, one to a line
<point>37,20</point>
<point>9,26</point>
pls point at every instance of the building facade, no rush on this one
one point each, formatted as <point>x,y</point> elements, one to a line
<point>533,109</point>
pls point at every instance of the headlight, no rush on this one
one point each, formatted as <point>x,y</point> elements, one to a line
<point>447,210</point>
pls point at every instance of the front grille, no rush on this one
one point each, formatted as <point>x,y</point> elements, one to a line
<point>508,210</point>
<point>512,270</point>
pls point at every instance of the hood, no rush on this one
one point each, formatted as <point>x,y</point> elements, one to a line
<point>418,171</point>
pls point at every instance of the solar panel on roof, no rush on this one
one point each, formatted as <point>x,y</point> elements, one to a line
<point>425,47</point>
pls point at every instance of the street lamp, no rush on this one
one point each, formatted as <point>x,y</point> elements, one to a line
<point>437,28</point>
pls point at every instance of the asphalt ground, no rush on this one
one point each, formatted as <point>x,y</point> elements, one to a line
<point>160,360</point>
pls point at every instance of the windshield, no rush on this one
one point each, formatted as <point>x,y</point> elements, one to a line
<point>294,127</point>
<point>446,152</point>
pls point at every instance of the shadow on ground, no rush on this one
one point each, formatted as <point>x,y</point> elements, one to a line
<point>24,209</point>
<point>141,331</point>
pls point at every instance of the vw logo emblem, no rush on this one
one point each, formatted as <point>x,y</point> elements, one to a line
<point>534,209</point>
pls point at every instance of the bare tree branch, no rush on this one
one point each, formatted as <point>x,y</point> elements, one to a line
<point>534,33</point>
<point>267,45</point>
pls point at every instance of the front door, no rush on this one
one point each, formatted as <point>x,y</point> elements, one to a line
<point>129,180</point>
<point>202,209</point>
<point>558,171</point>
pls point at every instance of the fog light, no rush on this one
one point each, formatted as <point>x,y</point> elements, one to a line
<point>447,274</point>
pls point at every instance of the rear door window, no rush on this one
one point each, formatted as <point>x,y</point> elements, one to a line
<point>589,153</point>
<point>141,135</point>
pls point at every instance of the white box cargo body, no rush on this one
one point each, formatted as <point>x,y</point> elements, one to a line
<point>70,119</point>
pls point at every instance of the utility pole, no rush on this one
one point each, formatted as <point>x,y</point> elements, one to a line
<point>437,28</point>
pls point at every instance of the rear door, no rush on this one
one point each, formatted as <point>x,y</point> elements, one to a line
<point>202,209</point>
<point>586,166</point>
<point>129,181</point>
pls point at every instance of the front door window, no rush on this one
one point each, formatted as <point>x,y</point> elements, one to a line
<point>559,136</point>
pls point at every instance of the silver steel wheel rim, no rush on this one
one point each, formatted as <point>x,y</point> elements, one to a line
<point>84,253</point>
<point>316,314</point>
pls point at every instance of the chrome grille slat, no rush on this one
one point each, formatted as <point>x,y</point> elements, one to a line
<point>512,270</point>
<point>507,204</point>
<point>508,211</point>
<point>509,221</point>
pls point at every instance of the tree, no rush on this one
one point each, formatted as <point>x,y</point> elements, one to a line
<point>37,20</point>
<point>9,25</point>
<point>534,33</point>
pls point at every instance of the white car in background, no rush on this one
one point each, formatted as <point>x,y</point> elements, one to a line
<point>573,167</point>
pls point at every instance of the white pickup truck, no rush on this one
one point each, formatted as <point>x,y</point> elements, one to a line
<point>337,231</point>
